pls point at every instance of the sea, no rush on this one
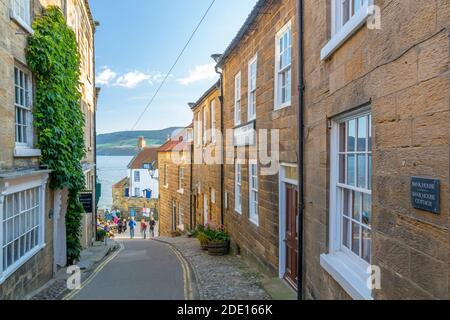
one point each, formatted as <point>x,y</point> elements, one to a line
<point>110,170</point>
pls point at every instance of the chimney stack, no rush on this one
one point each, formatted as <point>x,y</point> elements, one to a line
<point>141,143</point>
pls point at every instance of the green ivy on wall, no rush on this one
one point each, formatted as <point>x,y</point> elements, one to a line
<point>52,55</point>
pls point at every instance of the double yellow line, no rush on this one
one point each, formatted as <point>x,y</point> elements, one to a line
<point>97,270</point>
<point>187,281</point>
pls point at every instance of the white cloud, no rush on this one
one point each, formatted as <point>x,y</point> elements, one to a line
<point>199,73</point>
<point>133,79</point>
<point>106,76</point>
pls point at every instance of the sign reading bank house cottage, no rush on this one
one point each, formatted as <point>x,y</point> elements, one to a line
<point>425,194</point>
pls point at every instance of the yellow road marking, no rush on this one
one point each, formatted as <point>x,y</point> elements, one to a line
<point>101,266</point>
<point>186,274</point>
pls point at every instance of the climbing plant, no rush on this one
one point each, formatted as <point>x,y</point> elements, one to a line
<point>52,55</point>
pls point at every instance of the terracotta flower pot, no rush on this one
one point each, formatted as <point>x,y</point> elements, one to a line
<point>218,248</point>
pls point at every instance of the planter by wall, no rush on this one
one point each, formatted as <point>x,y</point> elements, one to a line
<point>218,248</point>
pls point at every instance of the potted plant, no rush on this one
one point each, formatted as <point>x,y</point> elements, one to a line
<point>204,240</point>
<point>101,235</point>
<point>220,243</point>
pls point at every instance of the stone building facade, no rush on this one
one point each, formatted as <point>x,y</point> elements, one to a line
<point>376,115</point>
<point>174,166</point>
<point>207,165</point>
<point>123,202</point>
<point>259,81</point>
<point>31,253</point>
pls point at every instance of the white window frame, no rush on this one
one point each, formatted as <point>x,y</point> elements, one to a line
<point>341,32</point>
<point>166,180</point>
<point>199,129</point>
<point>251,89</point>
<point>349,270</point>
<point>12,187</point>
<point>238,187</point>
<point>137,176</point>
<point>213,121</point>
<point>24,149</point>
<point>23,20</point>
<point>180,179</point>
<point>253,204</point>
<point>237,99</point>
<point>205,123</point>
<point>287,28</point>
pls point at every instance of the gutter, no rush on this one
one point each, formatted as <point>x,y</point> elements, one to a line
<point>300,148</point>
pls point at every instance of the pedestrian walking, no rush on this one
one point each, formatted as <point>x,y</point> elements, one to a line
<point>124,225</point>
<point>132,225</point>
<point>120,226</point>
<point>152,224</point>
<point>144,228</point>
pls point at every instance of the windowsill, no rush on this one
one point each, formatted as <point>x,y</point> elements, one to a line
<point>180,191</point>
<point>350,28</point>
<point>238,211</point>
<point>282,106</point>
<point>20,263</point>
<point>21,23</point>
<point>254,221</point>
<point>348,274</point>
<point>24,152</point>
<point>166,186</point>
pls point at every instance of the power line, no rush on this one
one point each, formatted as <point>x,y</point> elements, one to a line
<point>174,64</point>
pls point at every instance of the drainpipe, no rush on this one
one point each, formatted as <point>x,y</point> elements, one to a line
<point>300,148</point>
<point>191,187</point>
<point>217,58</point>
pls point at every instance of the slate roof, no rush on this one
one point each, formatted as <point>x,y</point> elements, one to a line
<point>147,155</point>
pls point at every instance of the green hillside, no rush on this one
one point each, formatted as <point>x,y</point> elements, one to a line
<point>125,143</point>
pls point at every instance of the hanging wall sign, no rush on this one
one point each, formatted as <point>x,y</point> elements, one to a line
<point>425,194</point>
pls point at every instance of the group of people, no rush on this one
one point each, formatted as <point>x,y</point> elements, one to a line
<point>122,227</point>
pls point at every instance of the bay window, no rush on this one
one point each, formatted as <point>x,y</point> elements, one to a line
<point>283,67</point>
<point>22,223</point>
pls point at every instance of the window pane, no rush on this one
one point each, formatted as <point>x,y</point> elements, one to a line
<point>345,11</point>
<point>342,168</point>
<point>366,245</point>
<point>347,201</point>
<point>357,205</point>
<point>367,210</point>
<point>342,133</point>
<point>351,138</point>
<point>361,171</point>
<point>351,170</point>
<point>369,142</point>
<point>369,164</point>
<point>356,229</point>
<point>362,134</point>
<point>345,232</point>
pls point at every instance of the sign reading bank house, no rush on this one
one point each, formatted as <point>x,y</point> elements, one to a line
<point>425,194</point>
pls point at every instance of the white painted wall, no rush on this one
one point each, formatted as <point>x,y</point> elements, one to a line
<point>146,182</point>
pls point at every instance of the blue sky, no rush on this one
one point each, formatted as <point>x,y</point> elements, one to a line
<point>136,44</point>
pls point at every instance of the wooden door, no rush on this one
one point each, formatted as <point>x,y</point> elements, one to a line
<point>291,234</point>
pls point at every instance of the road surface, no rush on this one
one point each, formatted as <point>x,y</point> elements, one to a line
<point>143,270</point>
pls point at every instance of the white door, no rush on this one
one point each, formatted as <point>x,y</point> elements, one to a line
<point>205,209</point>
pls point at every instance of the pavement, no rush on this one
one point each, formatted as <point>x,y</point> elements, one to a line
<point>219,277</point>
<point>90,258</point>
<point>142,270</point>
